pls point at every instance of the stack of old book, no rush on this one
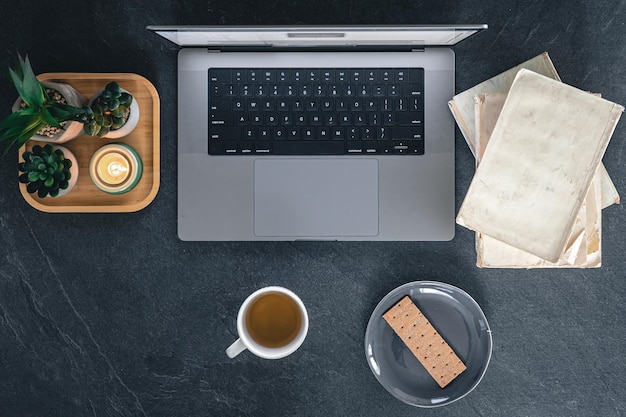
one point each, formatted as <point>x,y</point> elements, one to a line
<point>539,188</point>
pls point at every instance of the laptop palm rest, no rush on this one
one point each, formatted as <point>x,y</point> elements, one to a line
<point>314,197</point>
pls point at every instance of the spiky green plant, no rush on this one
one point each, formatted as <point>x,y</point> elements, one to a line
<point>110,110</point>
<point>45,170</point>
<point>40,110</point>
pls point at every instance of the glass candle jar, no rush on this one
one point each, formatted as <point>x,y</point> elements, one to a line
<point>115,168</point>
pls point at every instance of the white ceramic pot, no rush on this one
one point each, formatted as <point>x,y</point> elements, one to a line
<point>73,170</point>
<point>131,123</point>
<point>72,129</point>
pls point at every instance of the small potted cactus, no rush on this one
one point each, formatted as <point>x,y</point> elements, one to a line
<point>115,113</point>
<point>48,170</point>
<point>48,112</point>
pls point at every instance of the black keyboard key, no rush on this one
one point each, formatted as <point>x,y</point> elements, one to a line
<point>389,118</point>
<point>283,76</point>
<point>342,76</point>
<point>262,147</point>
<point>293,133</point>
<point>217,89</point>
<point>354,147</point>
<point>257,119</point>
<point>225,133</point>
<point>394,90</point>
<point>301,119</point>
<point>254,104</point>
<point>308,133</point>
<point>412,90</point>
<point>363,90</point>
<point>356,75</point>
<point>249,133</point>
<point>264,133</point>
<point>220,105</point>
<point>312,75</point>
<point>400,75</point>
<point>407,147</point>
<point>222,119</point>
<point>239,76</point>
<point>297,75</point>
<point>309,148</point>
<point>371,76</point>
<point>416,76</point>
<point>327,105</point>
<point>409,119</point>
<point>338,133</point>
<point>271,119</point>
<point>254,75</point>
<point>406,133</point>
<point>268,104</point>
<point>370,147</point>
<point>382,133</point>
<point>230,147</point>
<point>367,133</point>
<point>279,133</point>
<point>219,75</point>
<point>246,147</point>
<point>242,119</point>
<point>315,119</point>
<point>323,133</point>
<point>353,133</point>
<point>268,75</point>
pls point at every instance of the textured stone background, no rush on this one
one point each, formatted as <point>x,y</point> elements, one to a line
<point>112,315</point>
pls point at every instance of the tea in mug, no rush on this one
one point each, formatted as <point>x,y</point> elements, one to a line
<point>273,320</point>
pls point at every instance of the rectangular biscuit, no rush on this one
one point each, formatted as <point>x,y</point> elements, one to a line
<point>424,341</point>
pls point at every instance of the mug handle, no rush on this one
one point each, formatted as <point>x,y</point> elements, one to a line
<point>235,349</point>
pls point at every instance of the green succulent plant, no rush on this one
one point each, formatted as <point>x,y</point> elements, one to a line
<point>39,111</point>
<point>45,170</point>
<point>110,110</point>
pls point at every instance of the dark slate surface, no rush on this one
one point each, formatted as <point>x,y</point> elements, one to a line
<point>112,315</point>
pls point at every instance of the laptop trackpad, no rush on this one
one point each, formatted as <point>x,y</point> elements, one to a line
<point>315,197</point>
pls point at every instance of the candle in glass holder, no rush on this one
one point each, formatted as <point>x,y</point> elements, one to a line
<point>115,168</point>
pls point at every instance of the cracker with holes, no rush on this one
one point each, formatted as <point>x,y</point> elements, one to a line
<point>424,341</point>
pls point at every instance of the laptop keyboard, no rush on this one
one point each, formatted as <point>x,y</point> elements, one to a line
<point>316,111</point>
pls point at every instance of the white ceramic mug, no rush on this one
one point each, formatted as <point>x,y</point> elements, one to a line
<point>247,332</point>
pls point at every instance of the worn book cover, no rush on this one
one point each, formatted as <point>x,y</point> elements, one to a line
<point>583,248</point>
<point>462,104</point>
<point>544,150</point>
<point>487,109</point>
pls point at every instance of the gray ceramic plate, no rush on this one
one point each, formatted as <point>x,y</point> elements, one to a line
<point>457,318</point>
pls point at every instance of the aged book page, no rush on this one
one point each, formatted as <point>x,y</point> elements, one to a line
<point>583,249</point>
<point>543,153</point>
<point>462,104</point>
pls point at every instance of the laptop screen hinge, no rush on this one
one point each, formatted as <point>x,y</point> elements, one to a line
<point>272,48</point>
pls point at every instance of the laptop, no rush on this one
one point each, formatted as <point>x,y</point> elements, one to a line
<point>315,133</point>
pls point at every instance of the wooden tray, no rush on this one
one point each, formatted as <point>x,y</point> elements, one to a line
<point>145,139</point>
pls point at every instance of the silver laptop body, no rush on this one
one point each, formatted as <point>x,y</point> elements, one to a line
<point>338,197</point>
